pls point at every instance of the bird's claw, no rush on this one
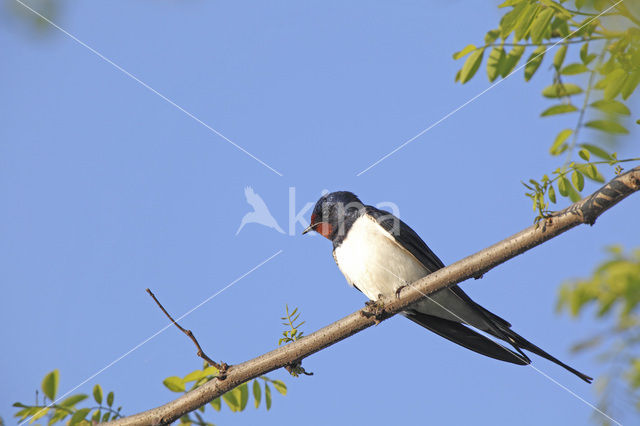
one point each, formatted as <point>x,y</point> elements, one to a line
<point>375,309</point>
<point>399,290</point>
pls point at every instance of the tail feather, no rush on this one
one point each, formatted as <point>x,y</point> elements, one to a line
<point>466,337</point>
<point>520,342</point>
<point>496,326</point>
<point>528,346</point>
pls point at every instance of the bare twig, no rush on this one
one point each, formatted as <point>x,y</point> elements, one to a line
<point>222,367</point>
<point>585,211</point>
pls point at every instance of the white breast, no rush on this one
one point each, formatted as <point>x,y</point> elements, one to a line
<point>370,259</point>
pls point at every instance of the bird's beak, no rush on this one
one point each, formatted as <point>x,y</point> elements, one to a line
<point>309,228</point>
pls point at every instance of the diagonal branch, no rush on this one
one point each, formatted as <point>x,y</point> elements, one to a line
<point>585,211</point>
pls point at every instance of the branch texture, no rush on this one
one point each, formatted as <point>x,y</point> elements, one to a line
<point>585,211</point>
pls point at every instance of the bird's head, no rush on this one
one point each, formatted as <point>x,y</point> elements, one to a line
<point>334,213</point>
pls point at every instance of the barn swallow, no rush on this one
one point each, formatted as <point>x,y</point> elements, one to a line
<point>379,255</point>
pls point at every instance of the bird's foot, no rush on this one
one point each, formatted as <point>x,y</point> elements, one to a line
<point>375,309</point>
<point>399,290</point>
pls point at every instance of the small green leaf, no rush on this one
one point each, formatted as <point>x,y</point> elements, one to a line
<point>578,180</point>
<point>592,172</point>
<point>39,414</point>
<point>615,82</point>
<point>491,36</point>
<point>471,65</point>
<point>552,194</point>
<point>611,106</point>
<point>573,194</point>
<point>597,151</point>
<point>558,109</point>
<point>26,412</point>
<point>96,417</point>
<point>211,371</point>
<point>73,400</point>
<point>105,417</point>
<point>508,3</point>
<point>534,62</point>
<point>97,394</point>
<point>584,154</point>
<point>231,401</point>
<point>464,52</point>
<point>510,19</point>
<point>244,395</point>
<point>524,21</point>
<point>110,397</point>
<point>496,56</point>
<point>79,416</point>
<point>559,90</point>
<point>194,375</point>
<point>540,25</point>
<point>590,57</point>
<point>556,147</point>
<point>630,84</point>
<point>563,186</point>
<point>215,404</point>
<point>566,190</point>
<point>58,416</point>
<point>280,386</point>
<point>50,384</point>
<point>558,58</point>
<point>257,393</point>
<point>267,395</point>
<point>511,60</point>
<point>174,384</point>
<point>573,69</point>
<point>584,52</point>
<point>607,126</point>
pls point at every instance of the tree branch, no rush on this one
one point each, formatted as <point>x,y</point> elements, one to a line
<point>222,367</point>
<point>585,211</point>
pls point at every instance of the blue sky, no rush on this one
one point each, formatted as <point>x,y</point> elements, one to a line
<point>108,189</point>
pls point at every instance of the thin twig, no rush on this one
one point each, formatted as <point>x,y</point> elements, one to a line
<point>222,367</point>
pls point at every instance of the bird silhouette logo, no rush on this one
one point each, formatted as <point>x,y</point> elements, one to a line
<point>260,213</point>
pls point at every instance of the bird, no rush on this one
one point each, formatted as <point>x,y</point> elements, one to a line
<point>260,213</point>
<point>379,255</point>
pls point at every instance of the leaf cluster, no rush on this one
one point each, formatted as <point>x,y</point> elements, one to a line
<point>68,410</point>
<point>78,409</point>
<point>236,399</point>
<point>613,291</point>
<point>615,282</point>
<point>604,75</point>
<point>290,320</point>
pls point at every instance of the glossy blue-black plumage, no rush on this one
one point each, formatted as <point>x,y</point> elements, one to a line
<point>341,209</point>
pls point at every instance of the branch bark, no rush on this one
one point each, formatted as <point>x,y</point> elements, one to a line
<point>585,211</point>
